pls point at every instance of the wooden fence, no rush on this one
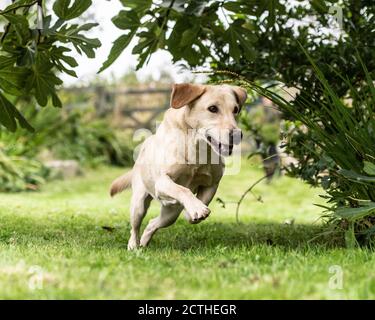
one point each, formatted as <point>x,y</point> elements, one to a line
<point>130,108</point>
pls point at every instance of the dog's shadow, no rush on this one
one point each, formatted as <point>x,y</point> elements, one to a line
<point>182,236</point>
<point>234,235</point>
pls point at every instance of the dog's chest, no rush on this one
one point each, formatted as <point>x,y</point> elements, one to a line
<point>197,176</point>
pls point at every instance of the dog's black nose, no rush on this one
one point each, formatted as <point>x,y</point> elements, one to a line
<point>235,136</point>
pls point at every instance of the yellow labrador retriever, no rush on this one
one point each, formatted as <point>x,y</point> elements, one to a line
<point>182,163</point>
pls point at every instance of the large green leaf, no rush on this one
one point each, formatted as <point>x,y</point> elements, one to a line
<point>189,36</point>
<point>6,61</point>
<point>16,5</point>
<point>6,116</point>
<point>356,213</point>
<point>118,46</point>
<point>9,114</point>
<point>174,40</point>
<point>81,43</point>
<point>232,39</point>
<point>67,11</point>
<point>147,44</point>
<point>240,41</point>
<point>21,26</point>
<point>126,20</point>
<point>16,18</point>
<point>42,81</point>
<point>61,60</point>
<point>351,175</point>
<point>12,80</point>
<point>137,5</point>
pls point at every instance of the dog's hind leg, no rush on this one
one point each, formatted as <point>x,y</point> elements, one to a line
<point>206,194</point>
<point>168,216</point>
<point>138,208</point>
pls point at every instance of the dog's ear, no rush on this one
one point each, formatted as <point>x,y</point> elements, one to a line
<point>240,94</point>
<point>185,93</point>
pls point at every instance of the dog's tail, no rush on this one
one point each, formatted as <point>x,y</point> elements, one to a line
<point>121,183</point>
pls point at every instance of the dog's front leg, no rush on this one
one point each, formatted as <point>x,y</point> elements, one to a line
<point>166,189</point>
<point>205,194</point>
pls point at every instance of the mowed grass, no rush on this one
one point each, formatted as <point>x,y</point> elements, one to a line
<point>53,246</point>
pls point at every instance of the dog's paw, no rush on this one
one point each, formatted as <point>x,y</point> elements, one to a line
<point>133,244</point>
<point>197,211</point>
<point>144,242</point>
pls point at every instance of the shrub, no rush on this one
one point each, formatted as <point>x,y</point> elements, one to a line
<point>263,123</point>
<point>74,134</point>
<point>345,135</point>
<point>91,141</point>
<point>20,173</point>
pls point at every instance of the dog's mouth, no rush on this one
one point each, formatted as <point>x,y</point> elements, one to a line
<point>219,147</point>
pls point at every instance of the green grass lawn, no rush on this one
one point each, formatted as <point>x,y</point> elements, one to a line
<point>53,246</point>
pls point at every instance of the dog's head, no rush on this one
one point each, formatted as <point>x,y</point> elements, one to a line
<point>212,110</point>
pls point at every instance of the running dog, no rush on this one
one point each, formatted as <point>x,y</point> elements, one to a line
<point>182,164</point>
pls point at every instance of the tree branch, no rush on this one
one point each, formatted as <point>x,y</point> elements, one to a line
<point>18,7</point>
<point>245,193</point>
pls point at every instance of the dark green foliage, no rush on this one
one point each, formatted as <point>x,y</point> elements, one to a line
<point>65,135</point>
<point>33,50</point>
<point>262,121</point>
<point>344,134</point>
<point>90,141</point>
<point>19,173</point>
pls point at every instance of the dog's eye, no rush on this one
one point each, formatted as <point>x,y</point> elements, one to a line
<point>236,110</point>
<point>213,109</point>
